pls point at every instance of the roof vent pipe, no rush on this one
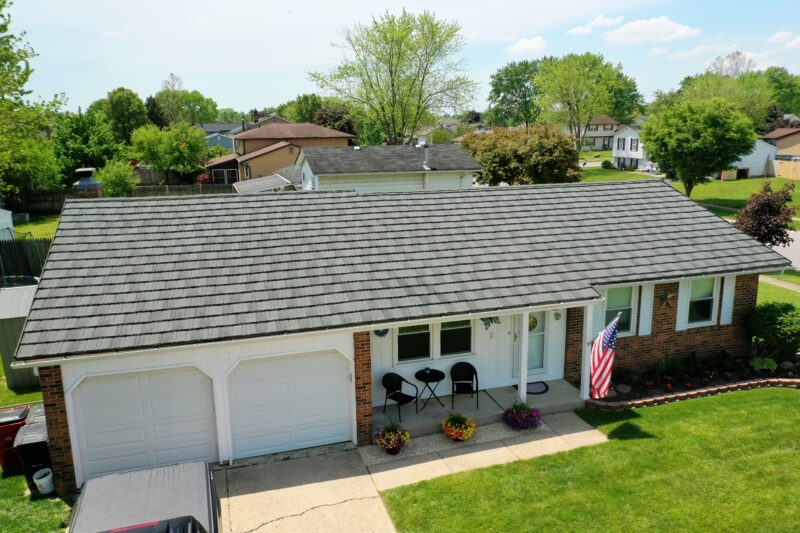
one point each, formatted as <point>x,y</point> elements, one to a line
<point>425,163</point>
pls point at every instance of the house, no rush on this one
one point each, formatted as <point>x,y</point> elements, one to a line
<point>15,304</point>
<point>786,140</point>
<point>629,152</point>
<point>759,162</point>
<point>6,225</point>
<point>261,150</point>
<point>600,133</point>
<point>387,168</point>
<point>222,133</point>
<point>223,327</point>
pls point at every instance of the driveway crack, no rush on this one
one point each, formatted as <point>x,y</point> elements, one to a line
<point>265,524</point>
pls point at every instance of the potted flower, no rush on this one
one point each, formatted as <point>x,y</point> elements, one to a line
<point>458,427</point>
<point>522,416</point>
<point>392,438</point>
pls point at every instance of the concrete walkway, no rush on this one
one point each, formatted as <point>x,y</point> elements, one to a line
<point>336,489</point>
<point>780,283</point>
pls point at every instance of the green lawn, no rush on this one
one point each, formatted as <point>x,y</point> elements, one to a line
<point>733,193</point>
<point>596,155</point>
<point>18,513</point>
<point>771,293</point>
<point>724,463</point>
<point>791,276</point>
<point>9,397</point>
<point>40,226</point>
<point>601,174</point>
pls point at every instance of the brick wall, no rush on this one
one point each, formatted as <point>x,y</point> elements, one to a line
<point>57,429</point>
<point>642,353</point>
<point>363,384</point>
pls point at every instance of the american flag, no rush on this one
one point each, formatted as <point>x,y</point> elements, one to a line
<point>603,358</point>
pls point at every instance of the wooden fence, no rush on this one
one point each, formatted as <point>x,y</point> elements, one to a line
<point>51,202</point>
<point>23,257</point>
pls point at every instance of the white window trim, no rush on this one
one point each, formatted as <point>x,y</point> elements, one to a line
<point>435,330</point>
<point>634,309</point>
<point>684,294</point>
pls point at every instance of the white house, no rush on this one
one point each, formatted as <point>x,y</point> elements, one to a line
<point>387,168</point>
<point>759,162</point>
<point>628,150</point>
<point>6,225</point>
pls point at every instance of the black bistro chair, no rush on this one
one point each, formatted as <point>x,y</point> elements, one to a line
<point>393,383</point>
<point>465,381</point>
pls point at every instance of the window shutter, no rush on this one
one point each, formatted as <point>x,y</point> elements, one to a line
<point>682,320</point>
<point>728,293</point>
<point>646,309</point>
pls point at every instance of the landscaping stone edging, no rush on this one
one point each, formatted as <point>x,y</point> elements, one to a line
<point>659,399</point>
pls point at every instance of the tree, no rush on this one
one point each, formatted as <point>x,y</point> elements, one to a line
<point>785,89</point>
<point>401,70</point>
<point>154,112</point>
<point>693,140</point>
<point>768,215</point>
<point>625,99</point>
<point>471,116</point>
<point>441,136</point>
<point>227,114</point>
<point>538,154</point>
<point>84,140</point>
<point>179,105</point>
<point>124,110</point>
<point>117,178</point>
<point>176,151</point>
<point>27,160</point>
<point>306,107</point>
<point>574,88</point>
<point>335,118</point>
<point>750,92</point>
<point>733,65</point>
<point>513,97</point>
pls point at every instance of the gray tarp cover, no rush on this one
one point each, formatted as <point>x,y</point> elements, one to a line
<point>141,496</point>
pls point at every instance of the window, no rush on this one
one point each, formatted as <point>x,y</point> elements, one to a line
<point>621,143</point>
<point>456,337</point>
<point>702,299</point>
<point>414,342</point>
<point>592,127</point>
<point>622,300</point>
<point>536,341</point>
<point>608,127</point>
<point>634,145</point>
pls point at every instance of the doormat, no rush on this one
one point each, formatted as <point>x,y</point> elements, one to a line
<point>536,387</point>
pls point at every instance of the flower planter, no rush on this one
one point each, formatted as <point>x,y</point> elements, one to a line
<point>520,416</point>
<point>392,438</point>
<point>458,428</point>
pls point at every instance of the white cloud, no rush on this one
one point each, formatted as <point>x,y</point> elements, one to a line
<point>527,45</point>
<point>600,21</point>
<point>658,51</point>
<point>653,30</point>
<point>114,34</point>
<point>785,39</point>
<point>703,50</point>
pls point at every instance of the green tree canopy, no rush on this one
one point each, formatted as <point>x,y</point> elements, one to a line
<point>335,118</point>
<point>538,154</point>
<point>124,110</point>
<point>693,140</point>
<point>574,88</point>
<point>117,178</point>
<point>179,105</point>
<point>513,97</point>
<point>227,114</point>
<point>176,150</point>
<point>154,112</point>
<point>785,89</point>
<point>750,92</point>
<point>84,140</point>
<point>401,69</point>
<point>625,99</point>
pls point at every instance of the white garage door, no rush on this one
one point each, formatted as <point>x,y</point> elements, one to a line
<point>289,403</point>
<point>144,419</point>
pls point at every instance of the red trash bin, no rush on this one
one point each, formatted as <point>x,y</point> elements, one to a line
<point>10,421</point>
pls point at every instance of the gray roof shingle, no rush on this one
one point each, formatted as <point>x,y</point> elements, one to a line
<point>132,273</point>
<point>371,159</point>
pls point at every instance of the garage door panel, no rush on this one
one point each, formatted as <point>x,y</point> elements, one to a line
<point>288,403</point>
<point>170,419</point>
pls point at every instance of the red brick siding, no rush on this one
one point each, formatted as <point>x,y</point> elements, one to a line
<point>58,429</point>
<point>363,384</point>
<point>642,352</point>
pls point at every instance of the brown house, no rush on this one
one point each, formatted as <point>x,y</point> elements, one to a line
<point>262,150</point>
<point>787,140</point>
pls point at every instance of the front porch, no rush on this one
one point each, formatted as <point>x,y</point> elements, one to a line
<point>560,397</point>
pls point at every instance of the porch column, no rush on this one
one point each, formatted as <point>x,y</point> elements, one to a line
<point>586,360</point>
<point>522,389</point>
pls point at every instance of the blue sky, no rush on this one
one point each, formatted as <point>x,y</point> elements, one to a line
<point>249,53</point>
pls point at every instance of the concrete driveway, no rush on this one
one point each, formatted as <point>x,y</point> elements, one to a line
<point>331,492</point>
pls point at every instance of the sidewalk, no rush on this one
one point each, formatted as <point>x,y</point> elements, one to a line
<point>780,283</point>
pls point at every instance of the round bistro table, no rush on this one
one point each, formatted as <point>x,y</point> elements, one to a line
<point>429,376</point>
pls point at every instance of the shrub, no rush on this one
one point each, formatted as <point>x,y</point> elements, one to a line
<point>627,376</point>
<point>768,215</point>
<point>763,363</point>
<point>606,164</point>
<point>117,178</point>
<point>775,328</point>
<point>202,179</point>
<point>522,416</point>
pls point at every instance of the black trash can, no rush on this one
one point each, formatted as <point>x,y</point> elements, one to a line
<point>31,444</point>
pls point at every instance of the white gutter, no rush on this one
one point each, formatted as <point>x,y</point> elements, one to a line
<point>350,329</point>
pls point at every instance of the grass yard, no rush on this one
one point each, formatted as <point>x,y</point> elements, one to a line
<point>790,276</point>
<point>601,174</point>
<point>724,463</point>
<point>596,155</point>
<point>770,293</point>
<point>19,513</point>
<point>40,226</point>
<point>733,193</point>
<point>9,397</point>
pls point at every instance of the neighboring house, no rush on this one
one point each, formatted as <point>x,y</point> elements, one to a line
<point>222,133</point>
<point>6,225</point>
<point>600,133</point>
<point>223,327</point>
<point>786,140</point>
<point>759,162</point>
<point>262,150</point>
<point>629,152</point>
<point>287,178</point>
<point>15,304</point>
<point>387,168</point>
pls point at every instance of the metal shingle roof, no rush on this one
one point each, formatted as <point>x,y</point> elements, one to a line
<point>125,274</point>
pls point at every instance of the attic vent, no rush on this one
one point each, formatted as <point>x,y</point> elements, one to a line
<point>356,148</point>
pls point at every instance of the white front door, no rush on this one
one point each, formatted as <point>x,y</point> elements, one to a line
<point>537,362</point>
<point>286,403</point>
<point>144,419</point>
